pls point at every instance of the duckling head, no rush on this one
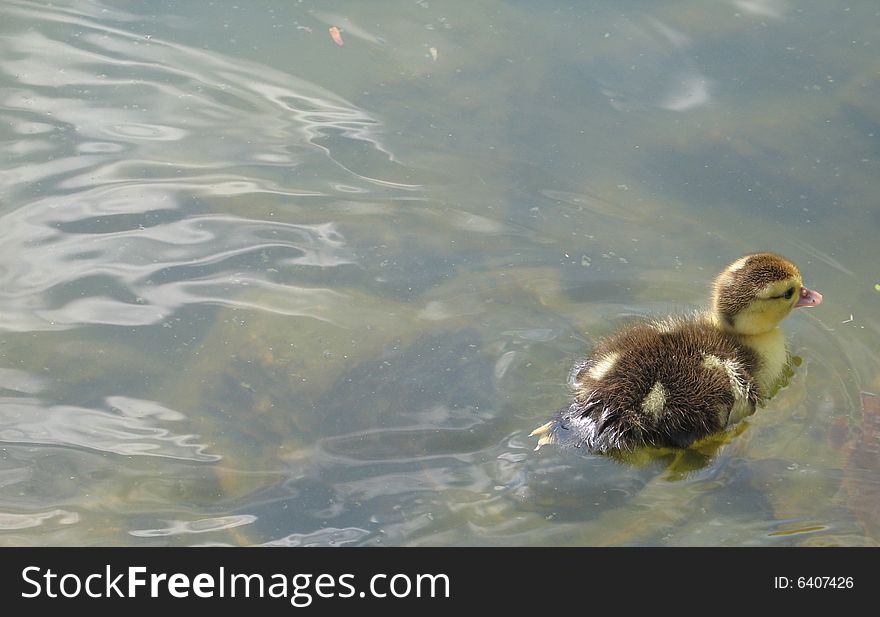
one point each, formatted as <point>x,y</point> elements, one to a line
<point>755,292</point>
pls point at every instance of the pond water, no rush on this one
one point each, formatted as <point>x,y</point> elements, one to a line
<point>257,287</point>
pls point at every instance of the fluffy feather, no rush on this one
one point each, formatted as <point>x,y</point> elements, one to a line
<point>672,381</point>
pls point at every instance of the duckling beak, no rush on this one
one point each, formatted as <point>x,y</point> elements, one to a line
<point>808,297</point>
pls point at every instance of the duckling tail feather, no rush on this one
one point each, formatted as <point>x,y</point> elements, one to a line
<point>559,431</point>
<point>587,425</point>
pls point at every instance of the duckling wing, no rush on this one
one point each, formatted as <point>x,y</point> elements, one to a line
<point>663,384</point>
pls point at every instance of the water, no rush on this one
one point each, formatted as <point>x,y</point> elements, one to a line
<point>259,288</point>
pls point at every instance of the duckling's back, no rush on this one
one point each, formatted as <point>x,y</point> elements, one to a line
<point>665,383</point>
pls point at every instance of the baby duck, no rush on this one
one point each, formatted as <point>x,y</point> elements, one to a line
<point>672,381</point>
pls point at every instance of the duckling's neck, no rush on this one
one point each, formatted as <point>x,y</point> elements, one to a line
<point>769,347</point>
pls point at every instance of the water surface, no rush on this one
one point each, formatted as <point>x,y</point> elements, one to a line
<point>260,288</point>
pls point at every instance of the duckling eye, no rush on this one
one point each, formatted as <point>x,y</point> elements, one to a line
<point>788,293</point>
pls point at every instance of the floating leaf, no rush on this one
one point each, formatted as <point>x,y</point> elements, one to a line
<point>336,35</point>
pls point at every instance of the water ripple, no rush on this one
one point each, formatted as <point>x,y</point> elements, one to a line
<point>330,536</point>
<point>146,204</point>
<point>204,525</point>
<point>149,268</point>
<point>11,521</point>
<point>126,428</point>
<point>651,66</point>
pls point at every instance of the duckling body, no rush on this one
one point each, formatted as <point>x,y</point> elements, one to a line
<point>670,382</point>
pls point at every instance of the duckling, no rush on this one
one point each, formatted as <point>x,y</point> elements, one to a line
<point>672,381</point>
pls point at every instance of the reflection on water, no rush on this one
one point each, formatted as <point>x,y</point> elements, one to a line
<point>126,430</point>
<point>258,288</point>
<point>648,63</point>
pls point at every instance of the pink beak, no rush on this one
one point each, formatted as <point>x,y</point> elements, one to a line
<point>808,297</point>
